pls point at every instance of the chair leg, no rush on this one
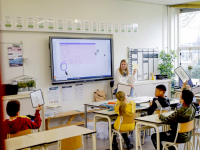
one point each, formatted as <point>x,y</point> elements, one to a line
<point>120,141</point>
<point>143,137</point>
<point>191,145</point>
<point>198,142</point>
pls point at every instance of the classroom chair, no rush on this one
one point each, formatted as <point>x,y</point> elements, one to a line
<point>20,133</point>
<point>182,128</point>
<point>112,92</point>
<point>123,120</point>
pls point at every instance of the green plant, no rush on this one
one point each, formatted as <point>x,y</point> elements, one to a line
<point>166,66</point>
<point>190,67</point>
<point>31,83</point>
<point>20,84</point>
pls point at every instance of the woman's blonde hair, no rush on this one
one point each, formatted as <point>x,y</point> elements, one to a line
<point>120,69</point>
<point>121,97</point>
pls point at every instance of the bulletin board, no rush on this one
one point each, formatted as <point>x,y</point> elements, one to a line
<point>146,58</point>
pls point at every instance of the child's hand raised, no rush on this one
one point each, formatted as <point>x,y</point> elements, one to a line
<point>39,107</point>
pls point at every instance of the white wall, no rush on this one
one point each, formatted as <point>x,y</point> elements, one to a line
<point>150,17</point>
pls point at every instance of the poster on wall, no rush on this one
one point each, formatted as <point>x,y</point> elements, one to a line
<point>67,95</point>
<point>69,25</point>
<point>101,27</point>
<point>40,21</point>
<point>129,29</point>
<point>53,95</point>
<point>50,24</point>
<point>78,25</point>
<point>15,56</point>
<point>7,22</point>
<point>94,27</point>
<point>60,25</point>
<point>30,23</point>
<point>109,28</point>
<point>116,28</point>
<point>19,23</point>
<point>86,26</point>
<point>122,28</point>
<point>79,92</point>
<point>135,28</point>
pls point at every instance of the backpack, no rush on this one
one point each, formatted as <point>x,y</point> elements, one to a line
<point>99,96</point>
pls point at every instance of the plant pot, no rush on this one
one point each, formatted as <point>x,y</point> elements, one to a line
<point>20,89</point>
<point>31,88</point>
<point>26,89</point>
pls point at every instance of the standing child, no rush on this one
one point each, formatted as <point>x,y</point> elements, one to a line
<point>17,123</point>
<point>123,107</point>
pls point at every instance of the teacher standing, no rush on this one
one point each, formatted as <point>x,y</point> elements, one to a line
<point>122,76</point>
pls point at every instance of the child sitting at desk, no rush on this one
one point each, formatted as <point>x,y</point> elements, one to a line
<point>17,123</point>
<point>185,114</point>
<point>160,102</point>
<point>123,107</point>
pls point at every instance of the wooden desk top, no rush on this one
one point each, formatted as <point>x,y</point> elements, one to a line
<point>153,118</point>
<point>22,142</point>
<point>61,133</point>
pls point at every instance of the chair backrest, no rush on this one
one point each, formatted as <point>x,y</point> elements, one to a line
<point>111,84</point>
<point>20,133</point>
<point>186,127</point>
<point>129,119</point>
<point>163,111</point>
<point>71,143</point>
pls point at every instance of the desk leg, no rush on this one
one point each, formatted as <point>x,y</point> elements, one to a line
<point>85,116</point>
<point>158,137</point>
<point>109,126</point>
<point>94,142</point>
<point>136,136</point>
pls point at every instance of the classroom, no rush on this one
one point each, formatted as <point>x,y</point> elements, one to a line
<point>139,47</point>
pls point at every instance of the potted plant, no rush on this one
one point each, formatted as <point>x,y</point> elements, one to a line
<point>31,85</point>
<point>25,86</point>
<point>166,65</point>
<point>20,86</point>
<point>190,70</point>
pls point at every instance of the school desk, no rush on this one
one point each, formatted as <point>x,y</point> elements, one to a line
<point>49,136</point>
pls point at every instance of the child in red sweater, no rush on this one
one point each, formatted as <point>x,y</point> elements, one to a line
<point>17,123</point>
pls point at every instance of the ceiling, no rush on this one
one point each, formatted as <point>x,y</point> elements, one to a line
<point>167,2</point>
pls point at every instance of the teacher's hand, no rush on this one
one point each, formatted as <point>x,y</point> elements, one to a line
<point>131,85</point>
<point>134,71</point>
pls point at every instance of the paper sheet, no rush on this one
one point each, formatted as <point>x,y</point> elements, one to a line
<point>67,94</point>
<point>53,95</point>
<point>135,66</point>
<point>37,98</point>
<point>15,56</point>
<point>79,92</point>
<point>125,88</point>
<point>181,73</point>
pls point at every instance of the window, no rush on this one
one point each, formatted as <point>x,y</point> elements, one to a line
<point>190,43</point>
<point>190,29</point>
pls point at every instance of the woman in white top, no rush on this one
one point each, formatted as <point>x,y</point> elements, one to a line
<point>122,76</point>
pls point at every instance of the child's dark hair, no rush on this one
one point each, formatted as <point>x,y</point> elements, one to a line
<point>187,96</point>
<point>161,87</point>
<point>12,108</point>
